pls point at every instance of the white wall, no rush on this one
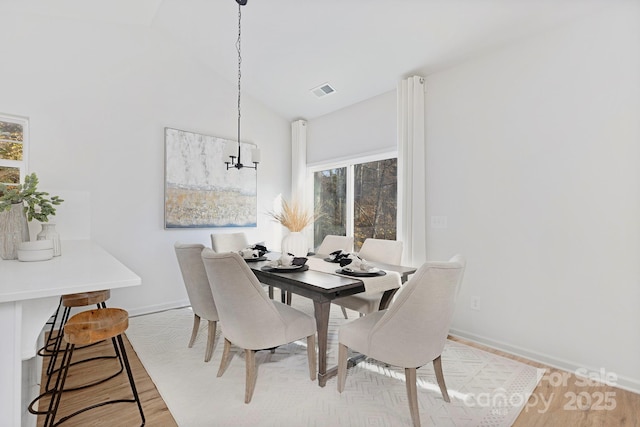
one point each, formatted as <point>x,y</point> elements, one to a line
<point>533,156</point>
<point>98,97</point>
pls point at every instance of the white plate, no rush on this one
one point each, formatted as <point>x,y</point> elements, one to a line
<point>353,270</point>
<point>288,267</point>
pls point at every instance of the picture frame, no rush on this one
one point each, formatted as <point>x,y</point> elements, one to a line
<point>200,191</point>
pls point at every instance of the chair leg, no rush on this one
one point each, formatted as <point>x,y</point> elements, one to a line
<point>344,312</point>
<point>226,357</point>
<point>412,394</point>
<point>437,367</point>
<point>211,336</point>
<point>311,356</point>
<point>194,330</point>
<point>342,366</point>
<point>252,373</point>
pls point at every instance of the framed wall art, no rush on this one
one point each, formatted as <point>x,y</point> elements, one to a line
<point>199,191</point>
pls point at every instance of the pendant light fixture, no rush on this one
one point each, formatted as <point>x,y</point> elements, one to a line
<point>232,151</point>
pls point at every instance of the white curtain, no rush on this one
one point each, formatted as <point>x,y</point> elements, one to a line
<point>298,158</point>
<point>412,188</point>
<point>299,190</point>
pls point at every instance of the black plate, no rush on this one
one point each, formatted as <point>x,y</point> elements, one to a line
<point>335,261</point>
<point>285,270</point>
<point>262,258</point>
<point>361,274</point>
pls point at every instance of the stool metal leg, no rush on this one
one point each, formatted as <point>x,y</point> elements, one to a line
<point>47,349</point>
<point>136,397</point>
<point>50,420</point>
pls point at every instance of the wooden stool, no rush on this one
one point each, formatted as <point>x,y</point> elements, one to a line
<point>69,302</point>
<point>85,328</point>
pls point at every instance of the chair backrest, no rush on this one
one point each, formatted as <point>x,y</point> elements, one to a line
<point>229,242</point>
<point>413,330</point>
<point>195,279</point>
<point>332,243</point>
<point>247,316</point>
<point>378,250</point>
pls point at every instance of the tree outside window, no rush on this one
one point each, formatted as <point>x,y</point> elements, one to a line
<point>359,199</point>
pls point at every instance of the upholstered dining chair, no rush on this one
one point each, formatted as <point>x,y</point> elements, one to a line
<point>228,242</point>
<point>232,242</point>
<point>197,283</point>
<point>249,319</point>
<point>332,243</point>
<point>376,250</point>
<point>412,331</point>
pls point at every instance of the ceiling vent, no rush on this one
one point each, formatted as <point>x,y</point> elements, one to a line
<point>323,90</point>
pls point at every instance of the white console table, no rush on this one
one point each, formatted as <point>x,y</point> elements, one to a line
<point>29,294</point>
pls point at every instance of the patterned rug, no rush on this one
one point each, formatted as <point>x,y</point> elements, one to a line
<point>485,389</point>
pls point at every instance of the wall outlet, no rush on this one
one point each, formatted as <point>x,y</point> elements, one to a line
<point>438,222</point>
<point>475,303</point>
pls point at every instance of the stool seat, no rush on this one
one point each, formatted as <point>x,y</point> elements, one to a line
<point>83,299</point>
<point>96,325</point>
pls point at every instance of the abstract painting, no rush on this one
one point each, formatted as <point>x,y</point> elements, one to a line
<point>199,190</point>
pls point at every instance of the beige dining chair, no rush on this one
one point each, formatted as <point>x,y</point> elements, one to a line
<point>234,242</point>
<point>412,331</point>
<point>199,292</point>
<point>249,319</point>
<point>229,242</point>
<point>332,243</point>
<point>376,250</point>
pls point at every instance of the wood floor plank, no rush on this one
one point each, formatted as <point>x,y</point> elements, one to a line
<point>563,399</point>
<point>120,414</point>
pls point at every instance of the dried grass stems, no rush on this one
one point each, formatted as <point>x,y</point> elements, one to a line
<point>294,216</point>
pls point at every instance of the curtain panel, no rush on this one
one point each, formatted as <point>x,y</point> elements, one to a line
<point>412,185</point>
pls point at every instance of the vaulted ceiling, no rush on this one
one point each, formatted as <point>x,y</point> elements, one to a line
<point>361,47</point>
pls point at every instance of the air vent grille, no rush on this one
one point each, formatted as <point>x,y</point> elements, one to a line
<point>323,90</point>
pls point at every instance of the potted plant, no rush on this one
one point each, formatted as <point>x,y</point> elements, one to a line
<point>295,217</point>
<point>18,204</point>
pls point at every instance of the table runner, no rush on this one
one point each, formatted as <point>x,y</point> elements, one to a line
<point>372,285</point>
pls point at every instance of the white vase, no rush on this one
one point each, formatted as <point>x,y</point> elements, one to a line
<point>14,229</point>
<point>49,233</point>
<point>295,243</point>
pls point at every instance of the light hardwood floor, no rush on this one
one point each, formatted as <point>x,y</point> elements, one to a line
<point>561,399</point>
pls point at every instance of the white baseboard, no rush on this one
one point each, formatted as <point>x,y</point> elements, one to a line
<point>139,311</point>
<point>623,382</point>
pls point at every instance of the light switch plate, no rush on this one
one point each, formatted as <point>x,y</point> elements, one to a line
<point>438,222</point>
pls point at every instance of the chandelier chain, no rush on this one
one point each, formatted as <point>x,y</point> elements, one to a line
<point>238,48</point>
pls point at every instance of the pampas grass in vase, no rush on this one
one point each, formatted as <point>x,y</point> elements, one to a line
<point>295,217</point>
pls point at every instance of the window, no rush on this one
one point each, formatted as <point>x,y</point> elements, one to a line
<point>358,199</point>
<point>13,137</point>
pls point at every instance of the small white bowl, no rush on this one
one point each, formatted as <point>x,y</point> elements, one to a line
<point>35,255</point>
<point>36,245</point>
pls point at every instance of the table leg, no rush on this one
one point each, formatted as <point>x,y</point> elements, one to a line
<point>322,310</point>
<point>386,298</point>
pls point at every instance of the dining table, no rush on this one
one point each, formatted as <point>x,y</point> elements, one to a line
<point>320,282</point>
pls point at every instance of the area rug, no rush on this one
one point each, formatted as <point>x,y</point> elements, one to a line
<point>485,389</point>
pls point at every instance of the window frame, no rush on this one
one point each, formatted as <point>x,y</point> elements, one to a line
<point>348,163</point>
